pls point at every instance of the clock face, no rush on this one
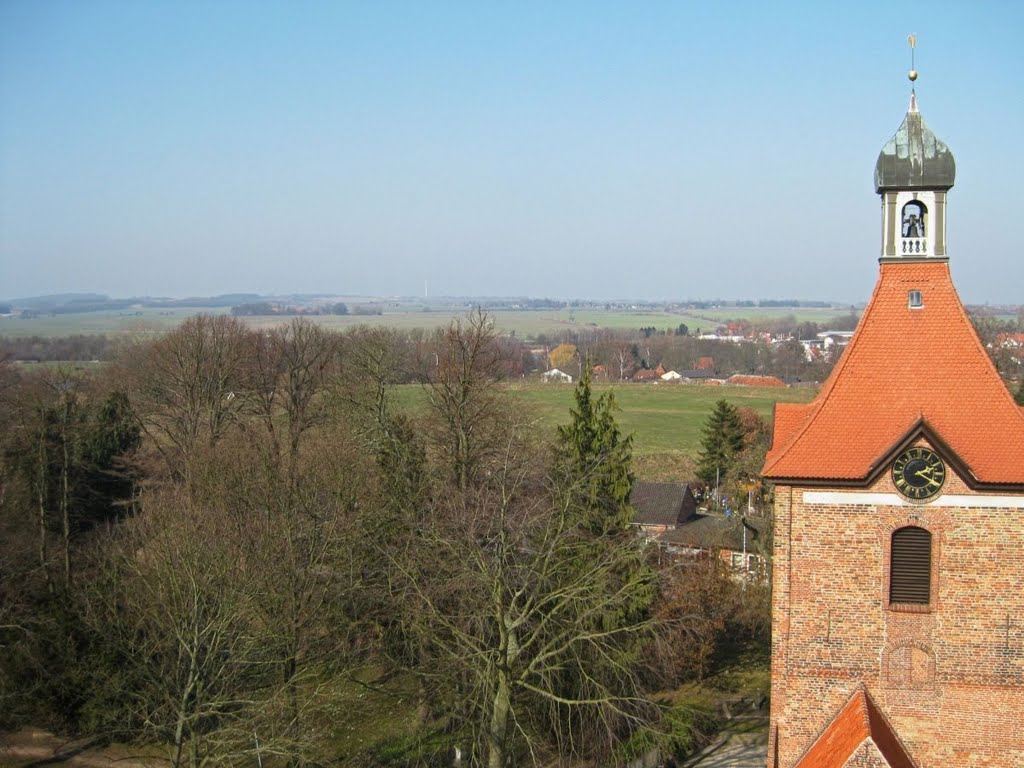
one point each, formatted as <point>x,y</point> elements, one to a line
<point>918,473</point>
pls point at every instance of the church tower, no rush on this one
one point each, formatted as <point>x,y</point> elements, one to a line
<point>898,574</point>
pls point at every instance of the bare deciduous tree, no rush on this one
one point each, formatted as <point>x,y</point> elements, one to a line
<point>285,378</point>
<point>172,595</point>
<point>467,422</point>
<point>515,608</point>
<point>184,386</point>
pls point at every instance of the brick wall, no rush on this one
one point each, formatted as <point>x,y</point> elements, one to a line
<point>949,676</point>
<point>866,757</point>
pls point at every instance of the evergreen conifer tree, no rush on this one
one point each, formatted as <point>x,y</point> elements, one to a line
<point>593,481</point>
<point>1020,393</point>
<point>722,442</point>
<point>595,453</point>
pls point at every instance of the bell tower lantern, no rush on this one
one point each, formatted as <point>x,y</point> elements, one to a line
<point>913,173</point>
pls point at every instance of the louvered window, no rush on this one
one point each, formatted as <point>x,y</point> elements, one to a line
<point>910,577</point>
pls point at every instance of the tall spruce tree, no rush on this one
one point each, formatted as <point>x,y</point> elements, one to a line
<point>593,482</point>
<point>722,442</point>
<point>593,451</point>
<point>1020,393</point>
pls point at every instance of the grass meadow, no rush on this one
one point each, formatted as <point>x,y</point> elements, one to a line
<point>665,419</point>
<point>148,322</point>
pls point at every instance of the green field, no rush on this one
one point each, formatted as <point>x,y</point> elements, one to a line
<point>665,419</point>
<point>144,322</point>
<point>768,314</point>
<point>129,323</point>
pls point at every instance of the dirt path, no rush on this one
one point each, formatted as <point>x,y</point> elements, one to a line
<point>735,750</point>
<point>35,748</point>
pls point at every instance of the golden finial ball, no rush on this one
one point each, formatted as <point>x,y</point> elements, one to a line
<point>912,74</point>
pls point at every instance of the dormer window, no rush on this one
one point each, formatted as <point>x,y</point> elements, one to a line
<point>915,300</point>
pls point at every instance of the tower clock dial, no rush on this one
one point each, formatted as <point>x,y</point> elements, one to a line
<point>918,473</point>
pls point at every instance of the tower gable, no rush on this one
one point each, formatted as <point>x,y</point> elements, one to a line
<point>915,358</point>
<point>858,736</point>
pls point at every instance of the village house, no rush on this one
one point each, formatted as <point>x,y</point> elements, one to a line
<point>649,374</point>
<point>661,506</point>
<point>734,539</point>
<point>555,375</point>
<point>1009,341</point>
<point>668,513</point>
<point>697,376</point>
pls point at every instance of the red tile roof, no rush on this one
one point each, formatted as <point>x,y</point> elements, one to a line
<point>646,374</point>
<point>1010,340</point>
<point>858,721</point>
<point>756,381</point>
<point>903,368</point>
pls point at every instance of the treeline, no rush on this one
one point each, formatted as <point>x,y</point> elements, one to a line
<point>72,303</point>
<point>206,543</point>
<point>261,308</point>
<point>78,347</point>
<point>624,353</point>
<point>621,353</point>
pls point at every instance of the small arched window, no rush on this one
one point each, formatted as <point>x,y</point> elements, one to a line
<point>914,214</point>
<point>910,572</point>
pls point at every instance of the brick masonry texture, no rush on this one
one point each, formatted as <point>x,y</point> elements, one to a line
<point>866,757</point>
<point>948,677</point>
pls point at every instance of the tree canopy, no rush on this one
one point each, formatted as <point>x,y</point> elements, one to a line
<point>721,443</point>
<point>598,456</point>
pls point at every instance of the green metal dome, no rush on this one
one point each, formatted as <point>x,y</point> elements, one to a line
<point>914,158</point>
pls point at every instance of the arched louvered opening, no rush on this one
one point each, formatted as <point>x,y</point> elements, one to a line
<point>910,574</point>
<point>914,229</point>
<point>914,214</point>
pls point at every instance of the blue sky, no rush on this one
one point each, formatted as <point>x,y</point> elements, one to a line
<point>588,150</point>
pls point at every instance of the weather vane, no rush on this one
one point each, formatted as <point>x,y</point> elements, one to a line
<point>912,42</point>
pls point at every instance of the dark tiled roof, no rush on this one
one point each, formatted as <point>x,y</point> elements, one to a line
<point>713,532</point>
<point>698,374</point>
<point>658,503</point>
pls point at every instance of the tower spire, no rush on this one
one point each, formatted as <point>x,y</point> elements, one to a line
<point>914,172</point>
<point>912,74</point>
